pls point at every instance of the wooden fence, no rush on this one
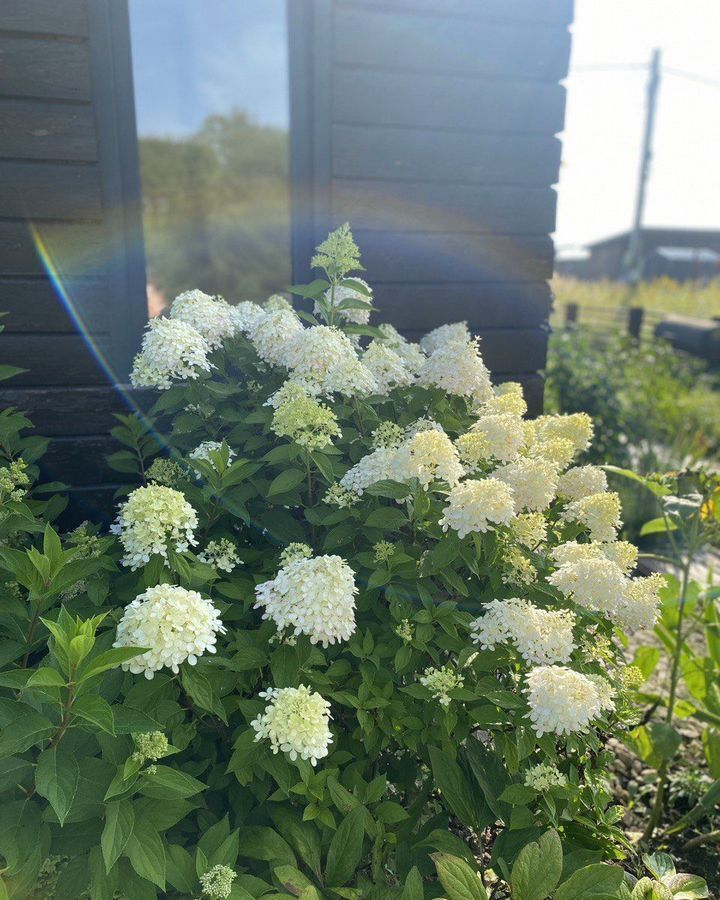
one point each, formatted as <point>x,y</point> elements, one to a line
<point>635,321</point>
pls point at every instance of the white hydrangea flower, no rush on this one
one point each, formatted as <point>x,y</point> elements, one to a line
<point>296,721</point>
<point>386,367</point>
<point>388,435</point>
<point>295,550</point>
<point>211,316</point>
<point>325,357</point>
<point>275,302</point>
<point>440,682</point>
<point>541,636</point>
<point>504,435</point>
<point>576,427</point>
<point>557,451</point>
<point>342,497</point>
<point>457,368</point>
<point>477,505</point>
<point>373,467</point>
<point>171,350</point>
<point>534,482</point>
<point>292,389</point>
<point>561,700</point>
<point>354,315</point>
<point>544,776</point>
<point>622,553</point>
<point>599,513</point>
<point>581,481</point>
<point>428,456</point>
<point>529,529</point>
<point>640,609</point>
<point>246,315</point>
<point>222,554</point>
<point>410,353</point>
<point>306,421</point>
<point>595,583</point>
<point>176,625</point>
<point>445,334</point>
<point>313,596</point>
<point>153,520</point>
<point>518,569</point>
<point>507,398</point>
<point>273,334</point>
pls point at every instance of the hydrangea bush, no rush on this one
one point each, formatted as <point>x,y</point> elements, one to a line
<point>358,632</point>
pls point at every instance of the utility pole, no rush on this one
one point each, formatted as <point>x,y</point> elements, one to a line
<point>633,261</point>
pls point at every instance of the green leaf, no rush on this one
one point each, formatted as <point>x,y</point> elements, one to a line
<point>260,842</point>
<point>119,823</point>
<point>518,794</point>
<point>292,879</point>
<point>286,481</point>
<point>45,677</point>
<point>454,786</point>
<point>109,659</point>
<point>345,849</point>
<point>413,888</point>
<point>56,778</point>
<point>23,733</point>
<point>537,869</point>
<point>166,783</point>
<point>657,526</point>
<point>458,879</point>
<point>146,852</point>
<point>659,865</point>
<point>687,887</point>
<point>597,880</point>
<point>92,708</point>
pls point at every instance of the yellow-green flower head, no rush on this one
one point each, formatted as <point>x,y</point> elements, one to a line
<point>545,776</point>
<point>387,435</point>
<point>440,682</point>
<point>150,746</point>
<point>166,472</point>
<point>294,551</point>
<point>153,520</point>
<point>296,721</point>
<point>217,882</point>
<point>338,254</point>
<point>222,554</point>
<point>307,422</point>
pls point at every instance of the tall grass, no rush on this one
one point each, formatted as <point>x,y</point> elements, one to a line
<point>689,298</point>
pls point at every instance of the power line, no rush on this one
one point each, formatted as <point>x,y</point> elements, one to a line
<point>693,76</point>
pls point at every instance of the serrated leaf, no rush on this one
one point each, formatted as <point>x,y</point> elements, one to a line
<point>285,481</point>
<point>146,852</point>
<point>92,708</point>
<point>21,734</point>
<point>166,783</point>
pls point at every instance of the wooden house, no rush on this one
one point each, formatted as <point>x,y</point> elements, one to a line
<point>430,125</point>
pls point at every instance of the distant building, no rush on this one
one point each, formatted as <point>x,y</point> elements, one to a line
<point>679,253</point>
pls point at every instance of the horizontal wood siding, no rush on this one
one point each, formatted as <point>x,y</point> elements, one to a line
<point>434,133</point>
<point>66,218</point>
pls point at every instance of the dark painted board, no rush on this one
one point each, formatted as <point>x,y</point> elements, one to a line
<point>35,129</point>
<point>63,17</point>
<point>444,156</point>
<point>405,256</point>
<point>80,250</point>
<point>548,11</point>
<point>36,305</point>
<point>502,304</point>
<point>34,190</point>
<point>80,460</point>
<point>61,359</point>
<point>428,206</point>
<point>505,350</point>
<point>420,100</point>
<point>440,43</point>
<point>58,411</point>
<point>56,70</point>
<point>90,503</point>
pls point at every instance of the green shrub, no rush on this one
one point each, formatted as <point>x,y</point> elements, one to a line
<point>357,626</point>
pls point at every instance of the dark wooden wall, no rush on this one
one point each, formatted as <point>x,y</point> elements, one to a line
<point>430,125</point>
<point>72,274</point>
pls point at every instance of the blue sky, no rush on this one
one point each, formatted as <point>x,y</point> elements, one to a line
<point>601,142</point>
<point>196,57</point>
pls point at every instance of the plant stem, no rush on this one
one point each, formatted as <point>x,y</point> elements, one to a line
<point>657,807</point>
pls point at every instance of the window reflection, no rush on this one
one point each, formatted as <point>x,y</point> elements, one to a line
<point>211,96</point>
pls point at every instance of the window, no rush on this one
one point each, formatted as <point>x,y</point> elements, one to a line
<point>211,98</point>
